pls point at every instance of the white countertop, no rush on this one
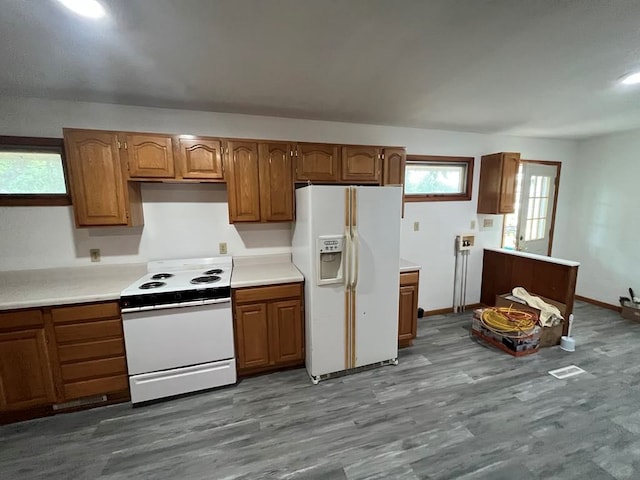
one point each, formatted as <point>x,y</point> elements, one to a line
<point>408,266</point>
<point>258,270</point>
<point>544,258</point>
<point>61,286</point>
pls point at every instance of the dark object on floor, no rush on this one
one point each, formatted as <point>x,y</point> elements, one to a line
<point>420,312</point>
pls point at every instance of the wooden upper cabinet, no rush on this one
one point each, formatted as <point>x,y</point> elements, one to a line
<point>100,193</point>
<point>149,156</point>
<point>393,166</point>
<point>201,159</point>
<point>25,371</point>
<point>317,162</point>
<point>276,182</point>
<point>510,166</point>
<point>497,192</point>
<point>243,183</point>
<point>361,164</point>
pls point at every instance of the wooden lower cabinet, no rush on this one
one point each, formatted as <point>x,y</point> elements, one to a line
<point>54,355</point>
<point>84,329</point>
<point>252,335</point>
<point>408,308</point>
<point>25,371</point>
<point>285,331</point>
<point>268,324</point>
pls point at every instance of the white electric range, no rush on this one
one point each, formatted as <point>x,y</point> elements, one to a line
<point>178,328</point>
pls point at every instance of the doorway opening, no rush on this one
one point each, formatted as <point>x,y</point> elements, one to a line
<point>530,227</point>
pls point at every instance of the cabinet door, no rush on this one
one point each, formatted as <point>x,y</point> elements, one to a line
<point>407,326</point>
<point>149,156</point>
<point>361,164</point>
<point>242,182</point>
<point>201,159</point>
<point>316,162</point>
<point>510,165</point>
<point>252,335</point>
<point>276,182</point>
<point>285,331</point>
<point>393,168</point>
<point>25,372</point>
<point>95,172</point>
<point>497,189</point>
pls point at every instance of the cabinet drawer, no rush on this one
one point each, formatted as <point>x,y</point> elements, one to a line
<point>78,332</point>
<point>409,278</point>
<point>85,312</point>
<point>18,319</point>
<point>105,367</point>
<point>258,294</point>
<point>78,352</point>
<point>97,386</point>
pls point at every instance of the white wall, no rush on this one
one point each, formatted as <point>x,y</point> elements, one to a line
<point>603,228</point>
<point>182,220</point>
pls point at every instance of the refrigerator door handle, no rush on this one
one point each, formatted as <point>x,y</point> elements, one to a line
<point>347,260</point>
<point>347,238</point>
<point>355,243</point>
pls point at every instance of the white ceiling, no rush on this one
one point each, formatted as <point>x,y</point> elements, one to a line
<point>525,67</point>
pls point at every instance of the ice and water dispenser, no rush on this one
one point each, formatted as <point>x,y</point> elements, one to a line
<point>329,253</point>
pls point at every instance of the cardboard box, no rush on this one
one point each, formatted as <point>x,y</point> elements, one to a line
<point>550,335</point>
<point>630,312</point>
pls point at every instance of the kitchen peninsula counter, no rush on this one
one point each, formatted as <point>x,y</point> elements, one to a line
<point>66,285</point>
<point>549,277</point>
<point>259,270</point>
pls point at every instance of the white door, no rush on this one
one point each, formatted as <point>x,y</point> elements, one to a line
<point>536,207</point>
<point>378,211</point>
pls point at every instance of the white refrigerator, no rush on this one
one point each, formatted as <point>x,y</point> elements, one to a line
<point>346,242</point>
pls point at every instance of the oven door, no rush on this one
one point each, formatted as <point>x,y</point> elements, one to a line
<point>177,337</point>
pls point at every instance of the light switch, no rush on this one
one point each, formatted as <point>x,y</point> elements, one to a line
<point>416,226</point>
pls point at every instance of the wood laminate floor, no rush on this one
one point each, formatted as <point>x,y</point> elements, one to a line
<point>452,409</point>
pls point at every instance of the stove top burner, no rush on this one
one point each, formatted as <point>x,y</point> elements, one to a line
<point>215,271</point>
<point>205,279</point>
<point>148,285</point>
<point>162,276</point>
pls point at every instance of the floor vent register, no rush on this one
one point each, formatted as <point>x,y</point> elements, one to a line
<point>566,372</point>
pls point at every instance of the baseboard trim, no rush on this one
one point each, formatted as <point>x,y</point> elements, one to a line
<point>440,311</point>
<point>443,311</point>
<point>598,303</point>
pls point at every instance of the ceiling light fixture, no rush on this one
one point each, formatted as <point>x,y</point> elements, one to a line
<point>86,8</point>
<point>631,79</point>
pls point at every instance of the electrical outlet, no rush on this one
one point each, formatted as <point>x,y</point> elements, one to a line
<point>94,253</point>
<point>487,223</point>
<point>472,225</point>
<point>416,226</point>
<point>222,246</point>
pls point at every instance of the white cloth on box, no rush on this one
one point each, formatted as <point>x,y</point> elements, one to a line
<point>549,314</point>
